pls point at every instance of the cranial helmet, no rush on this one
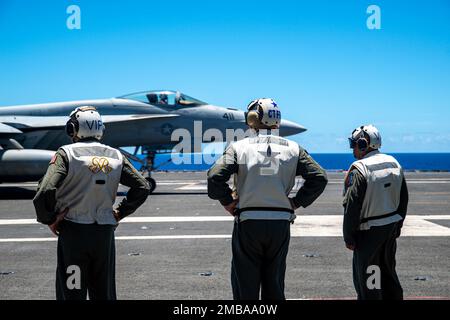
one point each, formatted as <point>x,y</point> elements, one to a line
<point>358,137</point>
<point>85,122</point>
<point>263,112</point>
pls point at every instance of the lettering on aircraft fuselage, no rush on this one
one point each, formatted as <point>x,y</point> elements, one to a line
<point>228,116</point>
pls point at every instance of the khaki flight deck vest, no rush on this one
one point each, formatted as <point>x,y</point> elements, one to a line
<point>384,177</point>
<point>266,176</point>
<point>90,188</point>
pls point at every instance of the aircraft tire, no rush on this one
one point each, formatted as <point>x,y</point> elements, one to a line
<point>152,184</point>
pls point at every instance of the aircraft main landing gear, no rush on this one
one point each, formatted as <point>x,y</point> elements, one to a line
<point>148,166</point>
<point>152,184</point>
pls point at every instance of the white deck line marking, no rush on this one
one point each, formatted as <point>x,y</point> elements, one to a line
<point>181,237</point>
<point>175,237</point>
<point>11,222</point>
<point>5,222</point>
<point>8,240</point>
<point>179,219</point>
<point>193,186</point>
<point>305,226</point>
<point>164,183</point>
<point>331,226</point>
<point>317,219</point>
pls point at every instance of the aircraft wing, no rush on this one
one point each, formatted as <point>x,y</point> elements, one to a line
<point>8,131</point>
<point>10,125</point>
<point>5,129</point>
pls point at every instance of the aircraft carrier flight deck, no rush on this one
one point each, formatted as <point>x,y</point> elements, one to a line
<point>177,245</point>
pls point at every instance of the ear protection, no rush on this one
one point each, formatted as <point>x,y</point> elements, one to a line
<point>361,142</point>
<point>72,126</point>
<point>254,112</point>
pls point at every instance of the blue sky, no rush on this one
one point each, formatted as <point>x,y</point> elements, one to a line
<point>318,59</point>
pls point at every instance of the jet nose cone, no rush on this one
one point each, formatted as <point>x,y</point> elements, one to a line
<point>289,128</point>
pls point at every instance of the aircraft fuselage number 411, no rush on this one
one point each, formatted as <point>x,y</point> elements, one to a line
<point>228,116</point>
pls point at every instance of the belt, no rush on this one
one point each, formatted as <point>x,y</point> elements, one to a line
<point>363,220</point>
<point>240,210</point>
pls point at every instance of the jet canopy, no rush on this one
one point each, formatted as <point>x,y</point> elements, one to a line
<point>164,98</point>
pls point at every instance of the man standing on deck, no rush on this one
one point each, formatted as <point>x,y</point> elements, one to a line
<point>75,199</point>
<point>375,203</point>
<point>264,168</point>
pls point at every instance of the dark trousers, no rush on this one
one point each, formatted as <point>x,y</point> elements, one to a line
<point>89,249</point>
<point>259,249</point>
<point>376,247</point>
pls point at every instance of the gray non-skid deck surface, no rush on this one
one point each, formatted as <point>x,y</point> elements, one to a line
<point>162,266</point>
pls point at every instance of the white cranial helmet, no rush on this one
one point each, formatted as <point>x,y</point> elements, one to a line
<point>85,122</point>
<point>358,138</point>
<point>268,112</point>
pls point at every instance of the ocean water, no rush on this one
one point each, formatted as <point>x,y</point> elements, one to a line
<point>329,161</point>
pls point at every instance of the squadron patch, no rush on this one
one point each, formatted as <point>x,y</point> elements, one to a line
<point>348,181</point>
<point>53,160</point>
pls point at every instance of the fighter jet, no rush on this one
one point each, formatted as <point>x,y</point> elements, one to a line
<point>30,134</point>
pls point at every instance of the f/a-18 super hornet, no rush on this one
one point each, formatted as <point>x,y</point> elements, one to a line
<point>29,134</point>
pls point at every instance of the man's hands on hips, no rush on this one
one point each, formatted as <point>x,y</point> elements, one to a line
<point>54,227</point>
<point>293,206</point>
<point>116,215</point>
<point>350,246</point>
<point>232,207</point>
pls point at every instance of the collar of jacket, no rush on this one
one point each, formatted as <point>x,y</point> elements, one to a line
<point>90,139</point>
<point>371,153</point>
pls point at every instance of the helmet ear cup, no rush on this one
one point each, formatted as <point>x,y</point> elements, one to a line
<point>72,127</point>
<point>253,119</point>
<point>362,144</point>
<point>254,115</point>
